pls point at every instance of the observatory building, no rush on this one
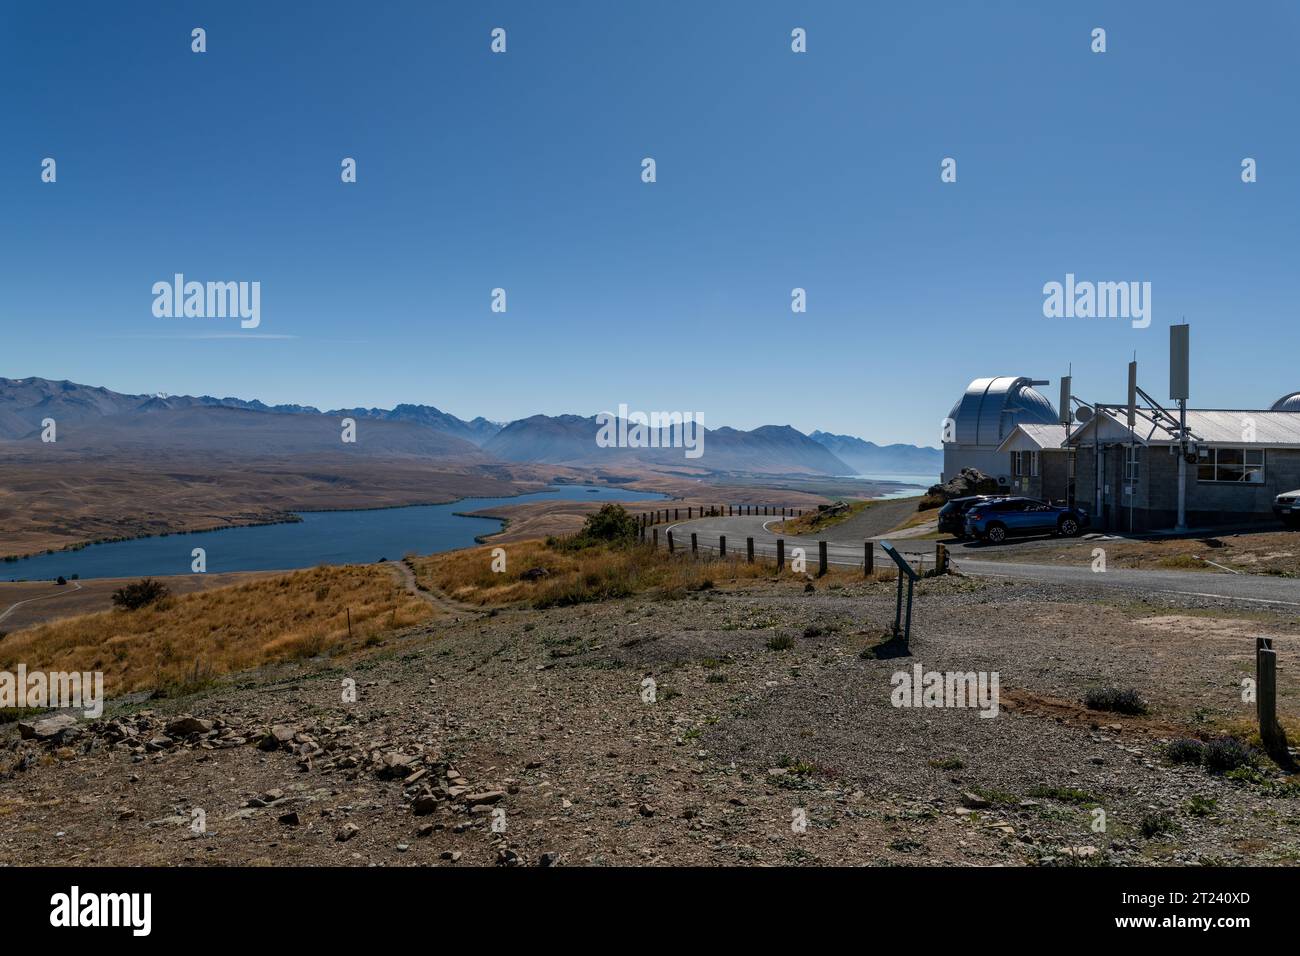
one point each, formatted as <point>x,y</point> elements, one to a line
<point>984,417</point>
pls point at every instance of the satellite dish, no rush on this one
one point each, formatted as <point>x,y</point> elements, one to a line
<point>1082,414</point>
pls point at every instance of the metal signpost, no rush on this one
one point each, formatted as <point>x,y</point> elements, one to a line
<point>903,569</point>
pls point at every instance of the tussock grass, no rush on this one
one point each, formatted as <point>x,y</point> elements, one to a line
<point>817,520</point>
<point>595,573</point>
<point>181,642</point>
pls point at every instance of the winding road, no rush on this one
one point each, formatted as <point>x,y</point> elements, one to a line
<point>1255,589</point>
<point>70,587</point>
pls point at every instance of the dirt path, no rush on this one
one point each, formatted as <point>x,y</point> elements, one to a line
<point>436,599</point>
<point>74,587</point>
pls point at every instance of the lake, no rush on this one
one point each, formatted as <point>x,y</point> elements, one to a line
<point>923,481</point>
<point>322,537</point>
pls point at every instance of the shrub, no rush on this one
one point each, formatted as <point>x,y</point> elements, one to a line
<point>132,597</point>
<point>1185,750</point>
<point>610,525</point>
<point>781,642</point>
<point>1226,753</point>
<point>1113,699</point>
<point>1157,823</point>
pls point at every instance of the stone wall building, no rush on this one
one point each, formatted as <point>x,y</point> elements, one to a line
<point>1238,462</point>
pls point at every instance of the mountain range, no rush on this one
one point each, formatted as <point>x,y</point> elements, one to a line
<point>96,419</point>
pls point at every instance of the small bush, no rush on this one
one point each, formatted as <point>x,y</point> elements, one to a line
<point>1199,806</point>
<point>1115,700</point>
<point>781,642</point>
<point>1185,750</point>
<point>610,525</point>
<point>132,597</point>
<point>1226,753</point>
<point>1157,823</point>
<point>946,763</point>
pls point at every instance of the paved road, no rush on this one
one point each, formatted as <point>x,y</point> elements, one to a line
<point>1256,589</point>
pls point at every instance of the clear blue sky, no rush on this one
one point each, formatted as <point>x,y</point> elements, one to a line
<point>775,170</point>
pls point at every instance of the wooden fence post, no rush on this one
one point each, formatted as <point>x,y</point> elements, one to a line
<point>749,550</point>
<point>722,545</point>
<point>868,559</point>
<point>780,554</point>
<point>940,559</point>
<point>695,543</point>
<point>821,558</point>
<point>670,542</point>
<point>1271,733</point>
<point>656,541</point>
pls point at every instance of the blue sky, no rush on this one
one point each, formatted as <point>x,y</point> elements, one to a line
<point>775,170</point>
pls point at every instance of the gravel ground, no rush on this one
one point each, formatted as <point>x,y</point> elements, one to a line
<point>525,738</point>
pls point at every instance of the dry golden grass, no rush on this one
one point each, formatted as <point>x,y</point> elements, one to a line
<point>814,521</point>
<point>591,574</point>
<point>183,640</point>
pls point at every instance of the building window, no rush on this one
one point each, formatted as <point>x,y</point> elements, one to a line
<point>1238,465</point>
<point>1132,463</point>
<point>1024,464</point>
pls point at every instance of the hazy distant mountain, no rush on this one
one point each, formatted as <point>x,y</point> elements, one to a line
<point>246,432</point>
<point>477,431</point>
<point>571,440</point>
<point>25,402</point>
<point>869,458</point>
<point>99,419</point>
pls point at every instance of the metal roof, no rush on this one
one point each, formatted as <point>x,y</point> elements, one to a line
<point>1034,437</point>
<point>1287,403</point>
<point>991,408</point>
<point>1245,427</point>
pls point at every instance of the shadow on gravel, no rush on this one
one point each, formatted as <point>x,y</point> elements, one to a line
<point>889,647</point>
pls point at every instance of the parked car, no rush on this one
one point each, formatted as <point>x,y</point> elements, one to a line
<point>995,521</point>
<point>1287,507</point>
<point>952,516</point>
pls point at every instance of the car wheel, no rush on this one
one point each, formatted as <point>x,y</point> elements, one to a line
<point>996,534</point>
<point>1069,527</point>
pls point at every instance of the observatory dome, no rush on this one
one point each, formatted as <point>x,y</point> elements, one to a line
<point>991,408</point>
<point>1287,403</point>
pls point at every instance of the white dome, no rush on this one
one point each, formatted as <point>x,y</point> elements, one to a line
<point>992,408</point>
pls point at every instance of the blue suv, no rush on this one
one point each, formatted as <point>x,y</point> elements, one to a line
<point>995,521</point>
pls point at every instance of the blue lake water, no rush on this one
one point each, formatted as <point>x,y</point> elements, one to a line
<point>921,481</point>
<point>322,537</point>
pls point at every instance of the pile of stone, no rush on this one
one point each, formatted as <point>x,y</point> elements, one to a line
<point>967,482</point>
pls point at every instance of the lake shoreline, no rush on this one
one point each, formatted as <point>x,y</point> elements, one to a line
<point>342,544</point>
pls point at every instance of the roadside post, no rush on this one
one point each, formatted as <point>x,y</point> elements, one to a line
<point>656,540</point>
<point>749,550</point>
<point>1271,733</point>
<point>722,545</point>
<point>821,558</point>
<point>695,543</point>
<point>670,542</point>
<point>868,559</point>
<point>780,555</point>
<point>903,569</point>
<point>940,559</point>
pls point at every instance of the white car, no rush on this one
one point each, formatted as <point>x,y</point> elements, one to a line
<point>1287,507</point>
